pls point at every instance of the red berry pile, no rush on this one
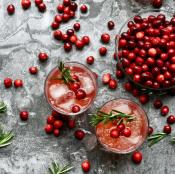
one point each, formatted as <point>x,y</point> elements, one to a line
<point>147,51</point>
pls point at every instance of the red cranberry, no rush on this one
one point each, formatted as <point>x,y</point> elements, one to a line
<point>120,127</point>
<point>102,51</point>
<point>157,3</point>
<point>86,166</point>
<point>65,38</point>
<point>56,132</point>
<point>60,8</point>
<point>138,19</point>
<point>55,114</point>
<point>150,130</point>
<point>79,44</point>
<point>119,74</point>
<point>74,86</point>
<point>111,25</point>
<point>122,43</point>
<point>158,103</point>
<point>167,129</point>
<point>43,56</point>
<point>106,78</point>
<point>79,134</point>
<point>137,78</point>
<point>57,34</point>
<point>73,6</point>
<point>86,40</point>
<point>24,115</point>
<point>70,32</point>
<point>67,10</point>
<point>33,70</point>
<point>128,86</point>
<point>71,124</point>
<point>26,4</point>
<point>152,52</point>
<point>171,119</point>
<point>58,124</point>
<point>48,128</point>
<point>65,17</point>
<point>7,82</point>
<point>172,68</point>
<point>135,92</point>
<point>112,84</point>
<point>114,133</point>
<point>83,8</point>
<point>73,39</point>
<point>76,26</point>
<point>80,94</point>
<point>75,108</point>
<point>140,35</point>
<point>18,83</point>
<point>38,2</point>
<point>137,157</point>
<point>144,98</point>
<point>164,110</point>
<point>127,132</point>
<point>54,25</point>
<point>11,9</point>
<point>160,78</point>
<point>90,60</point>
<point>67,47</point>
<point>105,38</point>
<point>129,71</point>
<point>50,119</point>
<point>42,7</point>
<point>66,2</point>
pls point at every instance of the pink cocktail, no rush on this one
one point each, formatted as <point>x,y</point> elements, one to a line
<point>74,97</point>
<point>138,127</point>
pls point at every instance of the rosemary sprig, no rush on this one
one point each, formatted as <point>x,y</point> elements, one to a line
<point>5,138</point>
<point>56,169</point>
<point>173,140</point>
<point>3,107</point>
<point>113,115</point>
<point>155,138</point>
<point>65,73</point>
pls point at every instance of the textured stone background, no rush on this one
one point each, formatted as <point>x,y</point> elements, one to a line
<point>22,37</point>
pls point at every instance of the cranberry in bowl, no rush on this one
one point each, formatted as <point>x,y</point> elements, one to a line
<point>70,88</point>
<point>121,126</point>
<point>146,50</point>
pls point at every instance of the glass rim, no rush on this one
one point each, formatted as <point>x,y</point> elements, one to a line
<point>139,144</point>
<point>88,106</point>
<point>117,50</point>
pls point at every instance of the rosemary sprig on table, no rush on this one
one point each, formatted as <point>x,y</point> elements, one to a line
<point>155,138</point>
<point>65,73</point>
<point>113,115</point>
<point>5,138</point>
<point>56,169</point>
<point>3,107</point>
<point>173,140</point>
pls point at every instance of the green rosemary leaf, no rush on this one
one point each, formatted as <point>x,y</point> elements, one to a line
<point>5,139</point>
<point>3,107</point>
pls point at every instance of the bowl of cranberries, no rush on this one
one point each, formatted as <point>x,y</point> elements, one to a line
<point>146,50</point>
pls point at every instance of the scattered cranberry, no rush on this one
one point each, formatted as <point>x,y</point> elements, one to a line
<point>102,51</point>
<point>11,9</point>
<point>75,108</point>
<point>114,133</point>
<point>106,78</point>
<point>60,8</point>
<point>65,17</point>
<point>56,132</point>
<point>50,119</point>
<point>157,3</point>
<point>70,32</point>
<point>80,94</point>
<point>65,38</point>
<point>38,2</point>
<point>83,8</point>
<point>42,7</point>
<point>58,19</point>
<point>43,56</point>
<point>55,114</point>
<point>76,26</point>
<point>73,39</point>
<point>120,127</point>
<point>111,25</point>
<point>24,115</point>
<point>171,119</point>
<point>7,82</point>
<point>86,40</point>
<point>67,47</point>
<point>26,4</point>
<point>119,74</point>
<point>66,2</point>
<point>90,60</point>
<point>86,166</point>
<point>150,130</point>
<point>164,110</point>
<point>113,84</point>
<point>33,70</point>
<point>128,86</point>
<point>167,129</point>
<point>57,35</point>
<point>73,6</point>
<point>79,44</point>
<point>127,132</point>
<point>18,83</point>
<point>58,124</point>
<point>105,38</point>
<point>79,134</point>
<point>54,25</point>
<point>48,128</point>
<point>71,123</point>
<point>137,157</point>
<point>158,103</point>
<point>144,98</point>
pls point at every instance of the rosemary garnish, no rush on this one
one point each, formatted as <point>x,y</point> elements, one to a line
<point>155,138</point>
<point>113,115</point>
<point>173,140</point>
<point>56,169</point>
<point>65,73</point>
<point>3,107</point>
<point>5,138</point>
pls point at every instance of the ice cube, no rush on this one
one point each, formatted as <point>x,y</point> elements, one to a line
<point>86,84</point>
<point>58,90</point>
<point>90,141</point>
<point>67,104</point>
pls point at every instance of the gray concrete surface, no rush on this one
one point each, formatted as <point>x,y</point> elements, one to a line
<point>22,37</point>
